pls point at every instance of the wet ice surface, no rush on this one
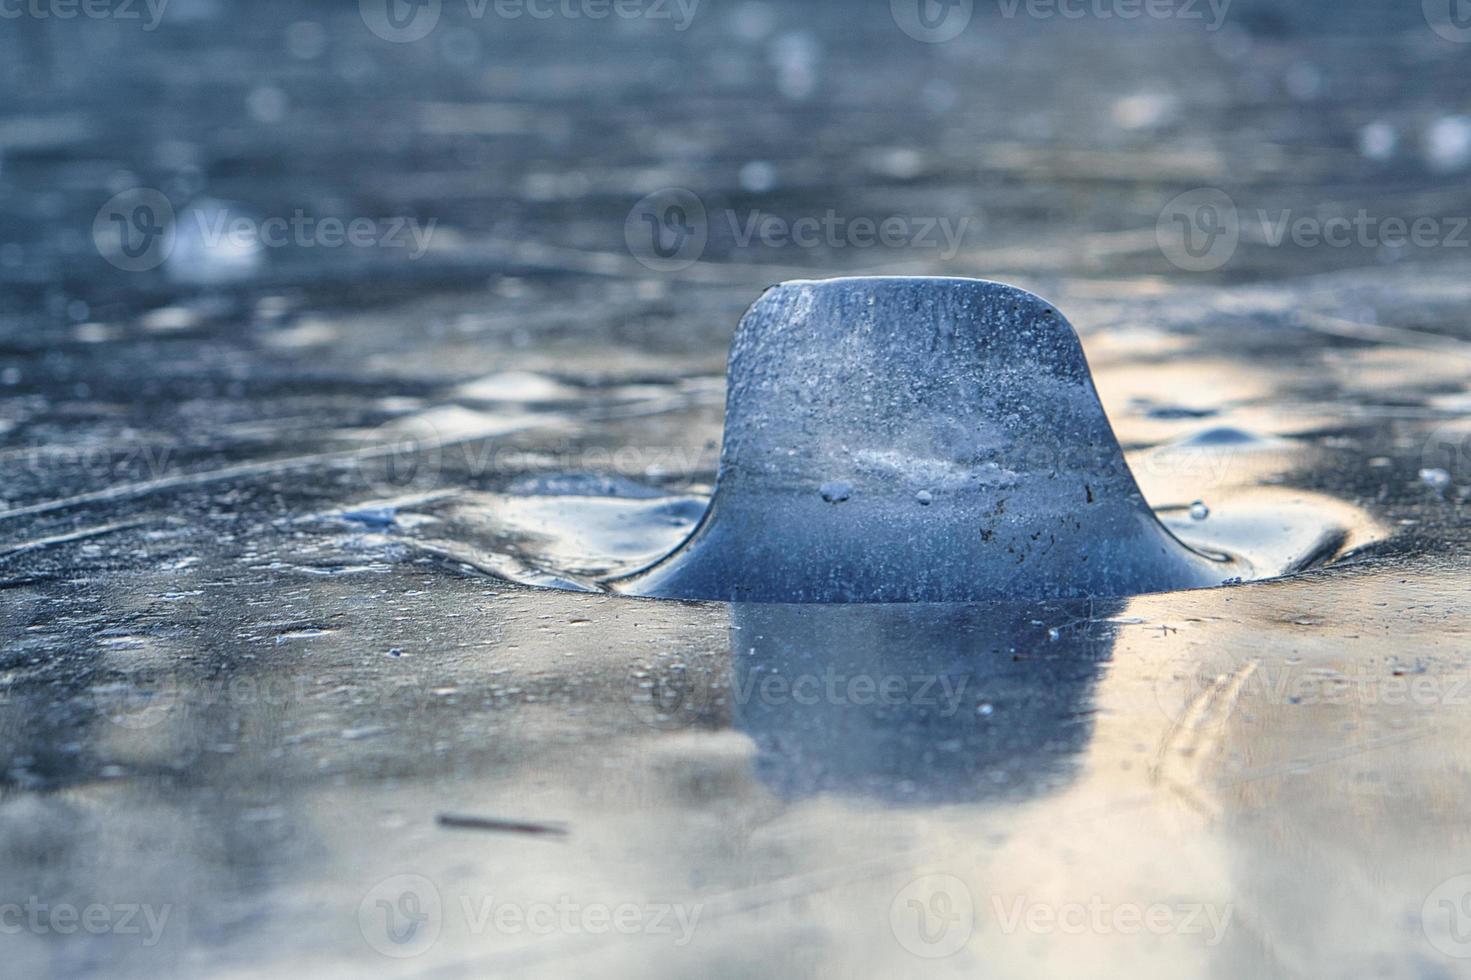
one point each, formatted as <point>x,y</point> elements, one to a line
<point>254,639</point>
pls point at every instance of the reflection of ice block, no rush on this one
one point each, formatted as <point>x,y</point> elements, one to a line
<point>918,703</point>
<point>917,440</point>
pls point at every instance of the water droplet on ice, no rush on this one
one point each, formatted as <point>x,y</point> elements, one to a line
<point>1377,141</point>
<point>1199,511</point>
<point>758,177</point>
<point>1448,144</point>
<point>836,491</point>
<point>203,257</point>
<point>1437,479</point>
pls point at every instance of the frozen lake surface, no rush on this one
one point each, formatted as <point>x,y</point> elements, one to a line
<point>266,675</point>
